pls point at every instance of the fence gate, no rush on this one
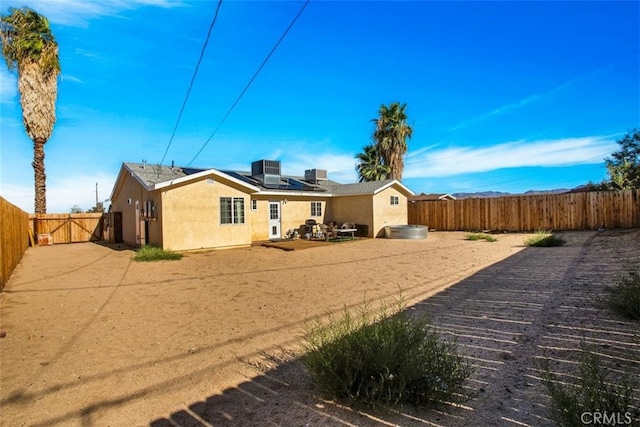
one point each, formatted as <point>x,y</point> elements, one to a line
<point>69,228</point>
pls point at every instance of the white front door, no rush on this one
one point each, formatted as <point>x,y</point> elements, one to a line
<point>274,220</point>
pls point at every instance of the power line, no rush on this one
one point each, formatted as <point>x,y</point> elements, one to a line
<point>251,80</point>
<point>193,78</point>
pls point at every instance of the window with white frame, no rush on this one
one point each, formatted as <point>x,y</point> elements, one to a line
<point>395,200</point>
<point>316,208</point>
<point>231,210</point>
<point>254,205</point>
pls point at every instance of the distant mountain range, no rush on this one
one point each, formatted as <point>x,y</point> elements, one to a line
<point>487,194</point>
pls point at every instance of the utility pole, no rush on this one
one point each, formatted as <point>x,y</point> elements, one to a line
<point>96,195</point>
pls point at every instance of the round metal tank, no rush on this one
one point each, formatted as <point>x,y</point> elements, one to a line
<point>406,231</point>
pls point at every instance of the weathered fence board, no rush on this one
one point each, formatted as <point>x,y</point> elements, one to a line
<point>69,228</point>
<point>14,238</point>
<point>568,211</point>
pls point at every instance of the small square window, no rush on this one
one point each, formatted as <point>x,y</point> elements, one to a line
<point>316,208</point>
<point>395,200</point>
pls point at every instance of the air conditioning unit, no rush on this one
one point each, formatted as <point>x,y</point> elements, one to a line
<point>265,167</point>
<point>315,175</point>
<point>268,171</point>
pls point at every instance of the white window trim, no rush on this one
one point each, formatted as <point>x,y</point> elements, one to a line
<point>233,211</point>
<point>317,207</point>
<point>254,205</point>
<point>394,201</point>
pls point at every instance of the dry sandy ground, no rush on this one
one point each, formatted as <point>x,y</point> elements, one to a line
<point>95,339</point>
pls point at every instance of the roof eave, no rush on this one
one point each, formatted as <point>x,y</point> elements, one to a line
<point>295,193</point>
<point>202,174</point>
<point>392,183</point>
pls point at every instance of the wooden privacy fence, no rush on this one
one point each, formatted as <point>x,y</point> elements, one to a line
<point>568,211</point>
<point>14,238</point>
<point>67,228</point>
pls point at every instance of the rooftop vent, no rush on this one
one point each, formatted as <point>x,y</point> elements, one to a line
<point>315,176</point>
<point>268,171</point>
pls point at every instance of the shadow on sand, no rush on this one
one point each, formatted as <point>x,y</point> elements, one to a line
<point>539,303</point>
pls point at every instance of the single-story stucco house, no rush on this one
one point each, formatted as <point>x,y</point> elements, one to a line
<point>185,209</point>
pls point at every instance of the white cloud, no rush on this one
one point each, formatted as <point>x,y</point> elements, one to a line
<point>69,77</point>
<point>339,167</point>
<point>430,162</point>
<point>298,156</point>
<point>556,152</point>
<point>302,155</point>
<point>62,193</point>
<point>80,12</point>
<point>19,195</point>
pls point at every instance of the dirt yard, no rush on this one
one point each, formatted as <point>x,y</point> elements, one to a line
<point>95,339</point>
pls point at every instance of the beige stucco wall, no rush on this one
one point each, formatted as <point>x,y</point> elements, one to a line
<point>384,213</point>
<point>129,189</point>
<point>293,213</point>
<point>155,225</point>
<point>375,211</point>
<point>191,216</point>
<point>356,209</point>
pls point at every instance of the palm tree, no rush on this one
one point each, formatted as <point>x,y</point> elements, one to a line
<point>391,135</point>
<point>370,166</point>
<point>29,47</point>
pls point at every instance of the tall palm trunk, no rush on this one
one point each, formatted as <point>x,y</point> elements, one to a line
<point>40,178</point>
<point>394,160</point>
<point>38,93</point>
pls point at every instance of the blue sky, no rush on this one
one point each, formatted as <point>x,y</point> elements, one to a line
<point>504,96</point>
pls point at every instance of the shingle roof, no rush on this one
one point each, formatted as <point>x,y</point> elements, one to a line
<point>359,187</point>
<point>154,174</point>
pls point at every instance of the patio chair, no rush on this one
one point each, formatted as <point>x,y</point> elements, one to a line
<point>306,230</point>
<point>330,230</point>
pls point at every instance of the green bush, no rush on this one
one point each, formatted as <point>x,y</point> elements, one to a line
<point>384,359</point>
<point>544,238</point>
<point>152,253</point>
<point>624,296</point>
<point>480,236</point>
<point>591,391</point>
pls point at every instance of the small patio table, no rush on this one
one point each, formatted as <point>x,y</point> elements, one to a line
<point>347,230</point>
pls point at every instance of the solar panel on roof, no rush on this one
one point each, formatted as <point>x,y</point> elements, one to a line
<point>241,177</point>
<point>191,171</point>
<point>290,184</point>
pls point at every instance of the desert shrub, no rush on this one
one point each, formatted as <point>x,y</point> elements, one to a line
<point>591,391</point>
<point>480,236</point>
<point>624,296</point>
<point>543,238</point>
<point>152,253</point>
<point>386,359</point>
